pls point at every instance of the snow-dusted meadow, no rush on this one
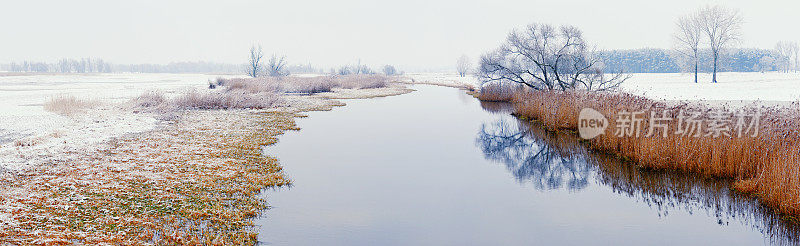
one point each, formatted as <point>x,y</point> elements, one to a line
<point>44,134</point>
<point>767,87</point>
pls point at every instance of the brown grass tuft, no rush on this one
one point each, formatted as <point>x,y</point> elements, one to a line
<point>67,105</point>
<point>497,92</point>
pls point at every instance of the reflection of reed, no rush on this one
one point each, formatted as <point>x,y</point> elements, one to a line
<point>497,107</point>
<point>551,161</point>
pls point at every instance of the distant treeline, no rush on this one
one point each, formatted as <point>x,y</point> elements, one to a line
<point>91,65</point>
<point>651,60</point>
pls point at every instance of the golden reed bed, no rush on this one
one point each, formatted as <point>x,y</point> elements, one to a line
<point>766,165</point>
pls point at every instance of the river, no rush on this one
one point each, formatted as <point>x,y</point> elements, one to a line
<point>438,167</point>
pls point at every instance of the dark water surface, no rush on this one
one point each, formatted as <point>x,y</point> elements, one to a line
<point>437,167</point>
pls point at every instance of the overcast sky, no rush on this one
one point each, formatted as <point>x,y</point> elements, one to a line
<point>412,34</point>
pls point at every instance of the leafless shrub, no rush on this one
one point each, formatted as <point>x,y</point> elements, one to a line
<point>235,99</point>
<point>251,85</point>
<point>306,84</point>
<point>220,81</point>
<point>362,81</point>
<point>66,105</point>
<point>149,99</point>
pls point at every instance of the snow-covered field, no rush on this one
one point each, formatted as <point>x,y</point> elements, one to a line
<point>30,134</point>
<point>771,87</point>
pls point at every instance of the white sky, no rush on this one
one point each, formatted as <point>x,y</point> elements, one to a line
<point>412,34</point>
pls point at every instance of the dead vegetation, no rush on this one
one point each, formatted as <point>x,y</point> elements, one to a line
<point>307,85</point>
<point>766,166</point>
<point>67,104</point>
<point>196,182</point>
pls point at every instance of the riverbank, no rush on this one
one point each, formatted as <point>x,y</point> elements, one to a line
<point>762,164</point>
<point>193,178</point>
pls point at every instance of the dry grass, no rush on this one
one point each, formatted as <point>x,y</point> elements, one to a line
<point>496,92</point>
<point>767,166</point>
<point>308,85</point>
<point>239,97</point>
<point>361,81</point>
<point>195,182</point>
<point>150,99</point>
<point>67,104</point>
<point>233,99</point>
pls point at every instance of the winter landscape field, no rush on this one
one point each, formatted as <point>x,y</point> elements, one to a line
<point>399,123</point>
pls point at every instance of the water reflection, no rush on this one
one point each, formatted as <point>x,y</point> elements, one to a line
<point>559,161</point>
<point>531,159</point>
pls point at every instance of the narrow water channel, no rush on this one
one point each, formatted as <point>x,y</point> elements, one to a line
<point>438,167</point>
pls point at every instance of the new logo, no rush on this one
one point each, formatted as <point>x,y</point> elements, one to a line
<point>591,123</point>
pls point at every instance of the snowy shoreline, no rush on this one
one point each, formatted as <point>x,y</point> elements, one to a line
<point>24,122</point>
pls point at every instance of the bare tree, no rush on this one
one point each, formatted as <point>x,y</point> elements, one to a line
<point>722,27</point>
<point>344,70</point>
<point>545,58</point>
<point>357,69</point>
<point>788,55</point>
<point>254,67</point>
<point>785,52</point>
<point>463,65</point>
<point>795,51</point>
<point>276,67</point>
<point>389,70</point>
<point>687,37</point>
<point>766,63</point>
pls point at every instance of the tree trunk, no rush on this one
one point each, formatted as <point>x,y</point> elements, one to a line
<point>714,79</point>
<point>695,70</point>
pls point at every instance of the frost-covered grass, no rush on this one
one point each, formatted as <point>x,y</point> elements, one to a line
<point>304,84</point>
<point>114,174</point>
<point>195,182</point>
<point>25,119</point>
<point>234,99</point>
<point>67,104</point>
<point>361,81</point>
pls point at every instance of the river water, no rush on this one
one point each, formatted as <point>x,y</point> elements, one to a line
<point>438,167</point>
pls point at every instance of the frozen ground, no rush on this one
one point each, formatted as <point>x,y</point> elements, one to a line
<point>769,87</point>
<point>30,134</point>
<point>773,86</point>
<point>443,79</point>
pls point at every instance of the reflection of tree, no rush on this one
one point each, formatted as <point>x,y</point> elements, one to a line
<point>553,160</point>
<point>532,159</point>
